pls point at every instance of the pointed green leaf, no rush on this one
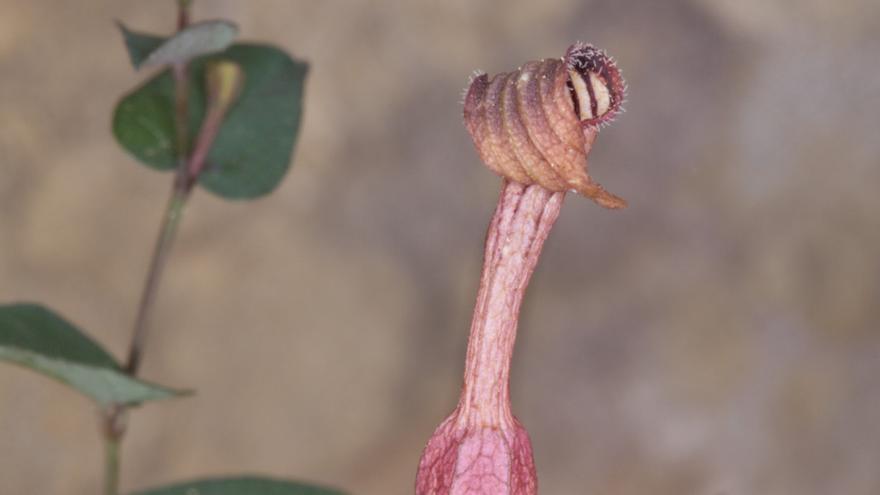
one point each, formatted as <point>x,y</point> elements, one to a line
<point>34,337</point>
<point>252,152</point>
<point>139,45</point>
<point>241,486</point>
<point>200,38</point>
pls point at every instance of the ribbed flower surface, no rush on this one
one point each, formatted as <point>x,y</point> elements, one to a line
<point>526,127</point>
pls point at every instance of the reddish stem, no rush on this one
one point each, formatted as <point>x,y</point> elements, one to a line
<point>207,133</point>
<point>180,71</point>
<point>481,447</point>
<point>183,14</point>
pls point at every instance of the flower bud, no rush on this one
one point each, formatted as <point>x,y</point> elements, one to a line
<point>223,82</point>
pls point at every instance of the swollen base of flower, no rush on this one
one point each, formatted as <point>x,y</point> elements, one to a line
<point>468,459</point>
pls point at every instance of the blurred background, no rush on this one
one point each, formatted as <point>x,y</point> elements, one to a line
<point>717,337</point>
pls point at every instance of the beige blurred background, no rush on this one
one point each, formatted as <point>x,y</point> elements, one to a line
<point>718,337</point>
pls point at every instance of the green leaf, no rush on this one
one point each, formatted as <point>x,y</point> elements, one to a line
<point>200,38</point>
<point>247,485</point>
<point>139,45</point>
<point>36,338</point>
<point>252,152</point>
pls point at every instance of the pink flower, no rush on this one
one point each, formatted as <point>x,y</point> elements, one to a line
<point>535,127</point>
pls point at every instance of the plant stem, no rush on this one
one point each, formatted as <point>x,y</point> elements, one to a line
<point>174,209</point>
<point>183,7</point>
<point>114,416</point>
<point>114,428</point>
<point>111,465</point>
<point>181,114</point>
<point>170,222</point>
<point>181,96</point>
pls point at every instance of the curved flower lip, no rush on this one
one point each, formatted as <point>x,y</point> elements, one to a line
<point>526,127</point>
<point>584,58</point>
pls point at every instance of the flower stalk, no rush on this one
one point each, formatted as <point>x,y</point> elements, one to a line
<point>481,444</point>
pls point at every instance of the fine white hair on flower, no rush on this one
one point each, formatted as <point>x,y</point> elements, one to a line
<point>471,78</point>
